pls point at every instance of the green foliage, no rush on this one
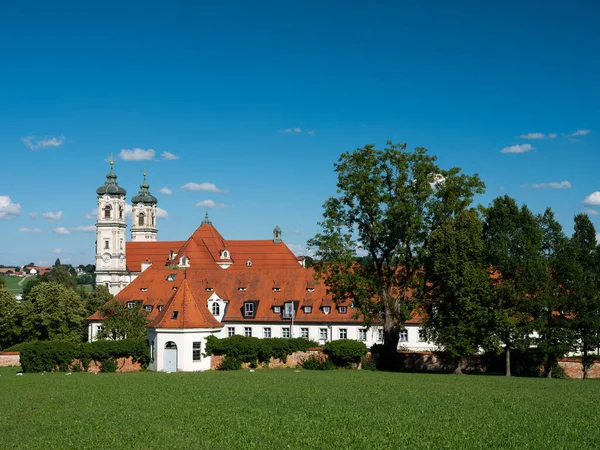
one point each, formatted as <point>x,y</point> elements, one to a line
<point>96,299</point>
<point>230,363</point>
<point>368,363</point>
<point>108,365</point>
<point>47,356</point>
<point>389,202</point>
<point>122,322</point>
<point>9,319</point>
<point>53,312</point>
<point>314,362</point>
<point>251,349</point>
<point>345,352</point>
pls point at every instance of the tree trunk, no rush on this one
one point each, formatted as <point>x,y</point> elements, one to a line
<point>390,342</point>
<point>549,372</point>
<point>584,361</point>
<point>507,354</point>
<point>459,364</point>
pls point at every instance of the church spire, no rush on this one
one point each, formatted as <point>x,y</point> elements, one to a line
<point>144,196</point>
<point>206,220</point>
<point>111,187</point>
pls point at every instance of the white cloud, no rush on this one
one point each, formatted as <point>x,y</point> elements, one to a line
<point>52,216</point>
<point>61,230</point>
<point>30,230</point>
<point>47,142</point>
<point>169,156</point>
<point>210,204</point>
<point>93,214</point>
<point>296,232</point>
<point>8,208</point>
<point>552,135</point>
<point>580,133</point>
<point>57,251</point>
<point>191,186</point>
<point>554,185</point>
<point>310,132</point>
<point>517,149</point>
<point>83,228</point>
<point>33,215</point>
<point>165,190</point>
<point>593,199</point>
<point>137,154</point>
<point>297,130</point>
<point>591,212</point>
<point>533,136</point>
<point>300,250</point>
<point>161,213</point>
<point>598,238</point>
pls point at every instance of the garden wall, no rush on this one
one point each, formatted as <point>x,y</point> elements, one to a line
<point>573,368</point>
<point>436,362</point>
<point>10,359</point>
<point>292,360</point>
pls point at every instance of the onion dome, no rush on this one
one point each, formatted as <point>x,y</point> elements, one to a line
<point>111,187</point>
<point>144,196</point>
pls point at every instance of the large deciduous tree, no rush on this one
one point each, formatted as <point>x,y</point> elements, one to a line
<point>389,202</point>
<point>457,308</point>
<point>96,299</point>
<point>121,322</point>
<point>9,319</point>
<point>513,243</point>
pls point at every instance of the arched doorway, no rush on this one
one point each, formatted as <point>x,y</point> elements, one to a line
<point>170,358</point>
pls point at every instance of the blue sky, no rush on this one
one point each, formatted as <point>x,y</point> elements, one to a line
<point>259,99</point>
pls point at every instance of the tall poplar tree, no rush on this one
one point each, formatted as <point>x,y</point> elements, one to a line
<point>389,202</point>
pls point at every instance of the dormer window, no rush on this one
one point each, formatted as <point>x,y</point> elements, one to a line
<point>171,254</point>
<point>326,309</point>
<point>310,289</point>
<point>242,289</point>
<point>174,288</point>
<point>342,309</point>
<point>148,308</point>
<point>224,254</point>
<point>276,289</point>
<point>183,262</point>
<point>174,315</point>
<point>216,309</point>
<point>143,289</point>
<point>209,289</point>
<point>307,309</point>
<point>277,309</point>
<point>249,309</point>
<point>249,263</point>
<point>171,277</point>
<point>160,308</point>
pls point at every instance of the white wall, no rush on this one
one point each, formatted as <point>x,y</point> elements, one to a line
<point>184,340</point>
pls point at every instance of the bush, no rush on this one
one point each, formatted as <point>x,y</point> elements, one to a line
<point>313,362</point>
<point>368,363</point>
<point>108,365</point>
<point>49,356</point>
<point>252,349</point>
<point>345,352</point>
<point>230,363</point>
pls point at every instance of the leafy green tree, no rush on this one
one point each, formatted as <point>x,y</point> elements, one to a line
<point>54,312</point>
<point>513,243</point>
<point>554,333</point>
<point>97,299</point>
<point>585,295</point>
<point>9,319</point>
<point>2,282</point>
<point>389,202</point>
<point>57,263</point>
<point>122,322</point>
<point>458,307</point>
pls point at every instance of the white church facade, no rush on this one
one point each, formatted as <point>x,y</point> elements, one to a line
<point>207,285</point>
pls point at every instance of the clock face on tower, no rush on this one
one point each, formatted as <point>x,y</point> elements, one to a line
<point>106,258</point>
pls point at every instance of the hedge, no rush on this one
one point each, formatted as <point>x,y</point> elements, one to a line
<point>48,356</point>
<point>252,349</point>
<point>345,352</point>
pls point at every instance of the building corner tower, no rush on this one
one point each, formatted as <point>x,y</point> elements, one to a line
<point>143,217</point>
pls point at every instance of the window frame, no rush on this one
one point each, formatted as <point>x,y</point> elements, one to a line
<point>342,309</point>
<point>304,332</point>
<point>230,331</point>
<point>267,333</point>
<point>196,352</point>
<point>248,331</point>
<point>403,336</point>
<point>362,334</point>
<point>249,309</point>
<point>323,331</point>
<point>284,331</point>
<point>216,309</point>
<point>343,333</point>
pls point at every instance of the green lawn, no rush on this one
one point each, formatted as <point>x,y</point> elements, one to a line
<point>287,409</point>
<point>12,283</point>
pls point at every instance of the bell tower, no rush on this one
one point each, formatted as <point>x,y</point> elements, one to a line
<point>111,266</point>
<point>143,225</point>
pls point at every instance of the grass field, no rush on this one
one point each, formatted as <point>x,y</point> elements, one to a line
<point>12,283</point>
<point>287,409</point>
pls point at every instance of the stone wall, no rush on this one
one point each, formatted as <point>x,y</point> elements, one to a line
<point>436,362</point>
<point>123,365</point>
<point>292,360</point>
<point>574,369</point>
<point>10,359</point>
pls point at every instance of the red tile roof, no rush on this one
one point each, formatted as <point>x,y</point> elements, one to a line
<point>156,252</point>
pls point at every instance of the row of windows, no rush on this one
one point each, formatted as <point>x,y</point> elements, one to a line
<point>249,309</point>
<point>323,333</point>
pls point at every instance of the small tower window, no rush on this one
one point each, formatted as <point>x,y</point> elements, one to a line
<point>107,212</point>
<point>141,219</point>
<point>106,244</point>
<point>152,219</point>
<point>120,212</point>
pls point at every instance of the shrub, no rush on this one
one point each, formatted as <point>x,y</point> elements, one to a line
<point>230,363</point>
<point>108,365</point>
<point>313,362</point>
<point>252,349</point>
<point>368,363</point>
<point>345,352</point>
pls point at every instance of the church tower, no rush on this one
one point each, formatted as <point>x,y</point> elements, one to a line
<point>143,225</point>
<point>111,267</point>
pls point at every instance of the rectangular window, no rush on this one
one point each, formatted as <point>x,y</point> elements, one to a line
<point>277,309</point>
<point>266,333</point>
<point>307,309</point>
<point>230,331</point>
<point>285,332</point>
<point>343,333</point>
<point>288,310</point>
<point>323,334</point>
<point>304,333</point>
<point>160,307</point>
<point>248,331</point>
<point>326,309</point>
<point>174,315</point>
<point>403,335</point>
<point>422,336</point>
<point>343,309</point>
<point>131,304</point>
<point>249,309</point>
<point>196,351</point>
<point>106,244</point>
<point>148,308</point>
<point>362,334</point>
<point>380,335</point>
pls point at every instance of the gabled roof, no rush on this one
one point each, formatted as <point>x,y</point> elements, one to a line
<point>183,311</point>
